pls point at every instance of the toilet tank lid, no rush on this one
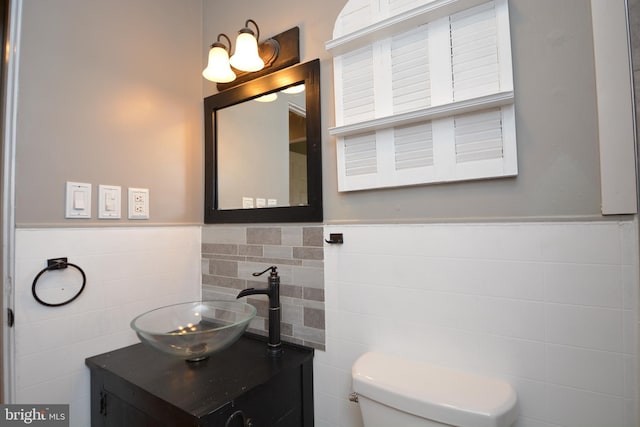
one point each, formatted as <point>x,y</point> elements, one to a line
<point>434,392</point>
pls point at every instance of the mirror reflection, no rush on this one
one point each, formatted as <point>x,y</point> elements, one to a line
<point>262,151</point>
<point>263,160</point>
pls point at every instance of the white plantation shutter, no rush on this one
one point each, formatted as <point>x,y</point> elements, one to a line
<point>358,100</point>
<point>360,154</point>
<point>424,93</point>
<point>410,80</point>
<point>474,53</point>
<point>478,136</point>
<point>413,146</point>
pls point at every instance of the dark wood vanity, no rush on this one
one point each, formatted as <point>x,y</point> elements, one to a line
<point>241,386</point>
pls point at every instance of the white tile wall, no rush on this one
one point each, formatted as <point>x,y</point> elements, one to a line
<point>129,270</point>
<point>550,307</point>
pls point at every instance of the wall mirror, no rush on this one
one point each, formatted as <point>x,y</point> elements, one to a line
<point>263,159</point>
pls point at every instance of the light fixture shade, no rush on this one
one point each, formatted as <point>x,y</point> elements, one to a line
<point>294,89</point>
<point>246,57</point>
<point>218,69</point>
<point>270,97</point>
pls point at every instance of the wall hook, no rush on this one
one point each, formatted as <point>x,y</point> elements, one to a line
<point>335,238</point>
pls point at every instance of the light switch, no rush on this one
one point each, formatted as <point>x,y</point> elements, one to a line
<point>78,200</point>
<point>109,201</point>
<point>260,202</point>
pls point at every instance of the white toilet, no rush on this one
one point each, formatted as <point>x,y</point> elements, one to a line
<point>392,391</point>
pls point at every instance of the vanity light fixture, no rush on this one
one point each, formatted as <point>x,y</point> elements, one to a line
<point>218,69</point>
<point>273,54</point>
<point>251,58</point>
<point>246,57</point>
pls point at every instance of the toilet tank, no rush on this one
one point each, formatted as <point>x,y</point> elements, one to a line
<point>435,393</point>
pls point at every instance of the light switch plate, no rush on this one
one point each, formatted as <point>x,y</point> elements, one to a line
<point>78,200</point>
<point>138,203</point>
<point>109,201</point>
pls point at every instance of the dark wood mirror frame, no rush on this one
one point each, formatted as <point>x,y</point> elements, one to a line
<point>307,73</point>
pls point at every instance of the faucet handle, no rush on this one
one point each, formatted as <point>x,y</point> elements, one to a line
<point>273,268</point>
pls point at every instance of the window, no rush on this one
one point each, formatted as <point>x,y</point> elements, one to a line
<point>423,92</point>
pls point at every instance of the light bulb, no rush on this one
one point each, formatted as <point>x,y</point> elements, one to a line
<point>294,89</point>
<point>270,97</point>
<point>246,56</point>
<point>218,69</point>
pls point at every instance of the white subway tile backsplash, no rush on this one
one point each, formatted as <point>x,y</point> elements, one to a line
<point>362,328</point>
<point>509,279</point>
<point>377,299</point>
<point>348,296</point>
<point>630,412</point>
<point>590,327</point>
<point>43,367</point>
<point>629,288</point>
<point>56,391</point>
<point>453,349</point>
<point>129,270</point>
<point>584,284</point>
<point>529,422</point>
<point>531,398</point>
<point>629,243</point>
<point>578,408</point>
<point>81,410</point>
<point>512,356</point>
<point>549,307</point>
<point>513,318</point>
<point>453,310</point>
<point>630,381</point>
<point>40,336</point>
<point>326,406</point>
<point>589,243</point>
<point>629,332</point>
<point>85,326</point>
<point>585,369</point>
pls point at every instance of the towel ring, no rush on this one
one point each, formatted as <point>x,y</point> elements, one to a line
<point>57,264</point>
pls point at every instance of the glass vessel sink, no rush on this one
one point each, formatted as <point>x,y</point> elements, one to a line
<point>194,330</point>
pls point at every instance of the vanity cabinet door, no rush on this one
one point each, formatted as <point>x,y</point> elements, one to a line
<point>277,403</point>
<point>120,413</point>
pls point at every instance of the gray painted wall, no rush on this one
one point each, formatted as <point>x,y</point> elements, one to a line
<point>123,107</point>
<point>110,93</point>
